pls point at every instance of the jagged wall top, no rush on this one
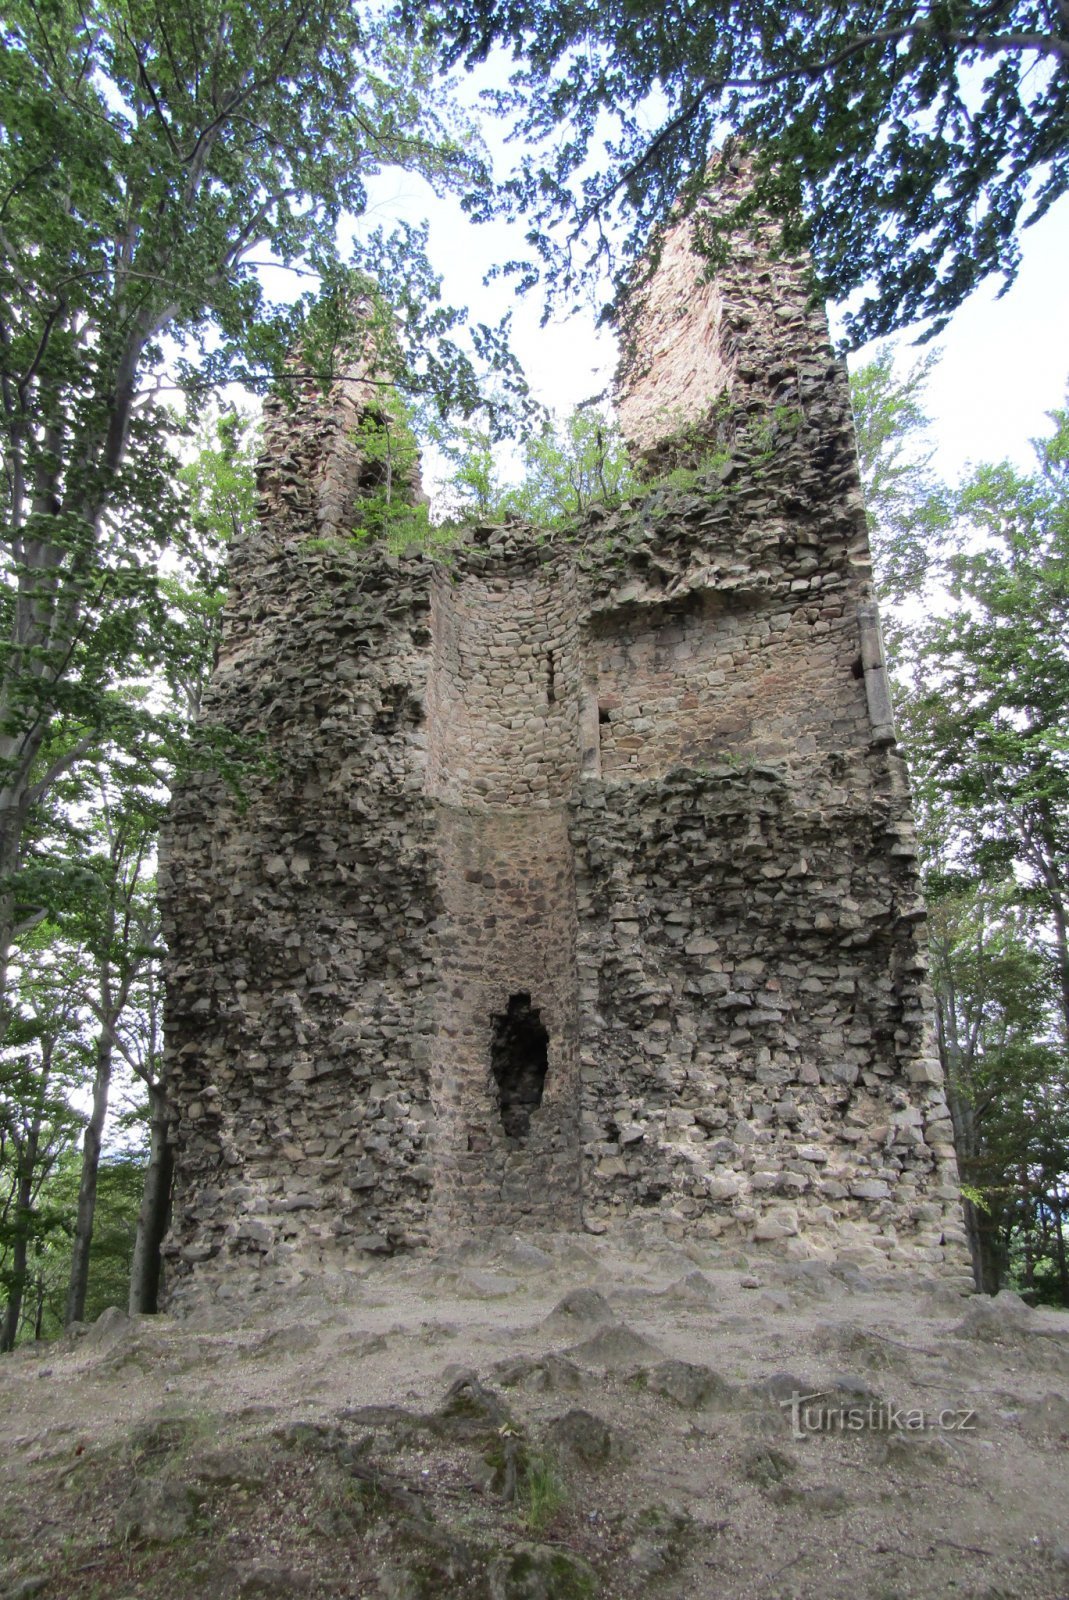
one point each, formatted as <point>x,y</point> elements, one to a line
<point>696,349</point>
<point>314,456</point>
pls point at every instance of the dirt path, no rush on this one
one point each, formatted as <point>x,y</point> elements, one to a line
<point>568,1418</point>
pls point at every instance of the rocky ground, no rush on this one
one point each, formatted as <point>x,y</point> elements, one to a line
<point>558,1420</point>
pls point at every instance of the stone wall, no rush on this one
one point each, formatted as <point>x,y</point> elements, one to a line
<point>567,878</point>
<point>759,1056</point>
<point>508,934</point>
<point>503,700</point>
<point>297,884</point>
<point>503,710</point>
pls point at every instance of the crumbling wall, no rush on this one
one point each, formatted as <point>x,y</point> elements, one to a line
<point>503,705</point>
<point>564,878</point>
<point>297,885</point>
<point>757,1053</point>
<point>752,975</point>
<point>703,357</point>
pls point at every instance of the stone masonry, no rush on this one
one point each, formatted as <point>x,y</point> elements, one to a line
<point>556,879</point>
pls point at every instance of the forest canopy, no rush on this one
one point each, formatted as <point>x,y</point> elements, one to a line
<point>904,143</point>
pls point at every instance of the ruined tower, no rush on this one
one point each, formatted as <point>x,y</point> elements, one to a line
<point>566,877</point>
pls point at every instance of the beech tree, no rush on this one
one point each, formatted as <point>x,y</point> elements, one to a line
<point>118,930</point>
<point>986,725</point>
<point>988,719</point>
<point>1004,1067</point>
<point>905,142</point>
<point>41,1061</point>
<point>153,156</point>
<point>569,463</point>
<point>982,680</point>
<point>88,862</point>
<point>910,510</point>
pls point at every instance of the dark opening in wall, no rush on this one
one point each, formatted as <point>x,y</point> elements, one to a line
<point>518,1059</point>
<point>372,476</point>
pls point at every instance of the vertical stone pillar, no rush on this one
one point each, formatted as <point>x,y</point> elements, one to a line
<point>504,711</point>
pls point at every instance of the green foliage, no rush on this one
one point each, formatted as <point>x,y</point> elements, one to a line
<point>219,495</point>
<point>28,1100</point>
<point>996,1008</point>
<point>86,999</point>
<point>391,509</point>
<point>766,433</point>
<point>905,144</point>
<point>696,455</point>
<point>1041,1276</point>
<point>118,1199</point>
<point>390,472</point>
<point>569,465</point>
<point>154,157</point>
<point>910,511</point>
<point>543,1492</point>
<point>42,1060</point>
<point>989,719</point>
<point>983,694</point>
<point>581,461</point>
<point>982,660</point>
<point>475,487</point>
<point>686,479</point>
<point>220,481</point>
<point>681,479</point>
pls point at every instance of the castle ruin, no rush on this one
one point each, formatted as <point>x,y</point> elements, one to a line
<point>572,877</point>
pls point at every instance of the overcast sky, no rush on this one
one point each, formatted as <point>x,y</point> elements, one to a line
<point>1005,362</point>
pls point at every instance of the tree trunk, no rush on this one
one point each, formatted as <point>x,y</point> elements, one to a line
<point>980,1226</point>
<point>12,820</point>
<point>78,1283</point>
<point>155,1213</point>
<point>1029,1279</point>
<point>1059,1244</point>
<point>23,1221</point>
<point>985,1248</point>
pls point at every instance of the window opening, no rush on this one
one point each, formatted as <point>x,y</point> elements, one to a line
<point>519,1049</point>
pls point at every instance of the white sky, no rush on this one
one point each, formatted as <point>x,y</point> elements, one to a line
<point>1005,361</point>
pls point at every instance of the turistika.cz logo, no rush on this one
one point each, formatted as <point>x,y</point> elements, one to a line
<point>822,1412</point>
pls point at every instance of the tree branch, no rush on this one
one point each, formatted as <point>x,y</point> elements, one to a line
<point>987,43</point>
<point>61,765</point>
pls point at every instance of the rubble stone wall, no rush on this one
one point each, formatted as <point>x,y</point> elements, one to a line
<point>503,701</point>
<point>760,1054</point>
<point>503,704</point>
<point>564,878</point>
<point>298,893</point>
